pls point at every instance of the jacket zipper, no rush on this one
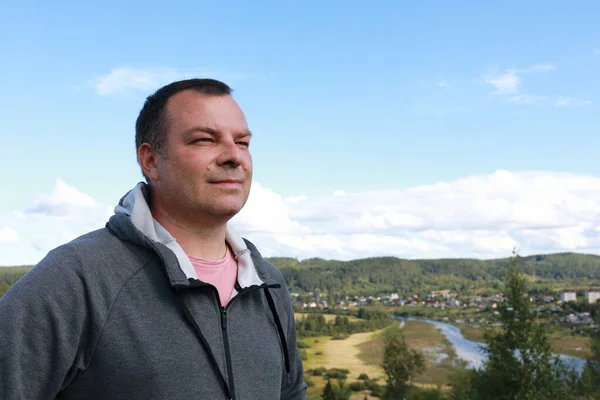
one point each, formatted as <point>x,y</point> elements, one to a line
<point>227,352</point>
<point>223,311</point>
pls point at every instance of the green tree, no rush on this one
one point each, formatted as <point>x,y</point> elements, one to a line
<point>341,391</point>
<point>589,384</point>
<point>401,365</point>
<point>461,383</point>
<point>327,393</point>
<point>520,364</point>
<point>336,392</point>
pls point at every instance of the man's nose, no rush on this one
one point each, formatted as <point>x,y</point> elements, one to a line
<point>231,154</point>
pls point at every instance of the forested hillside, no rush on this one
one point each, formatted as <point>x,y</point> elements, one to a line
<point>9,275</point>
<point>382,275</point>
<point>389,274</point>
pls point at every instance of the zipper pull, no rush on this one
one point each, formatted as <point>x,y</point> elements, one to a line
<point>223,316</point>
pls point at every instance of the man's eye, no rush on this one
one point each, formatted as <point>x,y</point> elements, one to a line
<point>206,140</point>
<point>244,144</point>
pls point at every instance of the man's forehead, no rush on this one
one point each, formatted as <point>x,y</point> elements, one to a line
<point>213,111</point>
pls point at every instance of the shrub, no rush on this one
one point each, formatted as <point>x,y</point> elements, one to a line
<point>303,355</point>
<point>317,371</point>
<point>371,384</point>
<point>377,390</point>
<point>309,381</point>
<point>339,336</point>
<point>357,386</point>
<point>302,345</point>
<point>426,394</point>
<point>363,377</point>
<point>337,373</point>
<point>319,353</point>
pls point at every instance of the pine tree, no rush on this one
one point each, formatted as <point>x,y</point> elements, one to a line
<point>520,364</point>
<point>589,383</point>
<point>341,391</point>
<point>337,392</point>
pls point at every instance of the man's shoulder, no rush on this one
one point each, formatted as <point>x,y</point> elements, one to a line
<point>95,254</point>
<point>91,246</point>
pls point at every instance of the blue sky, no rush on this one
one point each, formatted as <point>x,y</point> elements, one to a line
<point>344,96</point>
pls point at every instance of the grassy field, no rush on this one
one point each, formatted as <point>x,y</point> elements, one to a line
<point>474,334</point>
<point>564,342</point>
<point>328,353</point>
<point>325,352</point>
<point>328,317</point>
<point>362,353</point>
<point>424,337</point>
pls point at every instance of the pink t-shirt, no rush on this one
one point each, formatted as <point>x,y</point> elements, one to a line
<point>219,273</point>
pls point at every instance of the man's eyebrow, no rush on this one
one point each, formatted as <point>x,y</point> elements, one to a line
<point>244,134</point>
<point>200,129</point>
<point>214,132</point>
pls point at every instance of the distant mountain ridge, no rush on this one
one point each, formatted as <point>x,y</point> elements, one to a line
<point>378,275</point>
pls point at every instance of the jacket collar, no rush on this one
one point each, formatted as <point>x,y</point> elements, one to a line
<point>134,222</point>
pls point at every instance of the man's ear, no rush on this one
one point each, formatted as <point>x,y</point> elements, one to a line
<point>148,159</point>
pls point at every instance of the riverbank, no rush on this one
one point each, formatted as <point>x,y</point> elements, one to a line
<point>562,339</point>
<point>471,351</point>
<point>439,352</point>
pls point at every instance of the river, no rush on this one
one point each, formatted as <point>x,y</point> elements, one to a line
<point>471,351</point>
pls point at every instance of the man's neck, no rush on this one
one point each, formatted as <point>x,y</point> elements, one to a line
<point>207,243</point>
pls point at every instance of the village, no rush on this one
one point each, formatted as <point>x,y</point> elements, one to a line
<point>566,309</point>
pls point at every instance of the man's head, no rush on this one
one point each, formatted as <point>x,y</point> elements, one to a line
<point>192,144</point>
<point>150,126</point>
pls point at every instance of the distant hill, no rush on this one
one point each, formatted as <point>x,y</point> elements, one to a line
<point>10,275</point>
<point>390,274</point>
<point>379,275</point>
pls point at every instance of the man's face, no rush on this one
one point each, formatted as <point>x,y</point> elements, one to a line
<point>206,171</point>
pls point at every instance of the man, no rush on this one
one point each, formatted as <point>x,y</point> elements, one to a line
<point>167,301</point>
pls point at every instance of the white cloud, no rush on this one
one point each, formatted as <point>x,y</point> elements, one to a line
<point>507,85</point>
<point>476,216</point>
<point>570,101</point>
<point>526,99</point>
<point>266,212</point>
<point>126,79</point>
<point>61,202</point>
<point>51,220</point>
<point>442,84</point>
<point>479,216</point>
<point>538,68</point>
<point>8,235</point>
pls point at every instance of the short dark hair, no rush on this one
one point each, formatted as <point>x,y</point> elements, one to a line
<point>150,124</point>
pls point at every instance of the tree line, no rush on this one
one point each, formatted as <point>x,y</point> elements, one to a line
<point>381,275</point>
<point>341,326</point>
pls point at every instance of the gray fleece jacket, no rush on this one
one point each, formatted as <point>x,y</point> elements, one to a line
<point>120,314</point>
